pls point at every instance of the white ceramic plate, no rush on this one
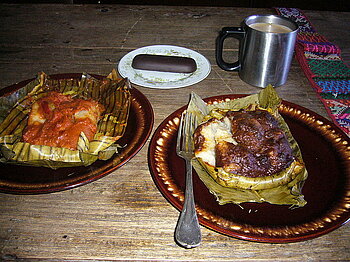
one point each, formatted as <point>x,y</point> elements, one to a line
<point>164,80</point>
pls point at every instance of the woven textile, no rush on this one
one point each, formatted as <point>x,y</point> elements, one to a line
<point>324,67</point>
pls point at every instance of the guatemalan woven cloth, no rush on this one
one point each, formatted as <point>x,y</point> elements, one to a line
<point>323,65</point>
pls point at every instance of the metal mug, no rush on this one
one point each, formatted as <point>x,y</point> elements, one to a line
<point>266,45</point>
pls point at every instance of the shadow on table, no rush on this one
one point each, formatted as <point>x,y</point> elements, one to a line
<point>336,5</point>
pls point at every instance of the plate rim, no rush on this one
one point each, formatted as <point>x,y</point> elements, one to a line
<point>101,171</point>
<point>176,202</point>
<point>163,86</point>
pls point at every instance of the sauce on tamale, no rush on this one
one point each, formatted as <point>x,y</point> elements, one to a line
<point>57,120</point>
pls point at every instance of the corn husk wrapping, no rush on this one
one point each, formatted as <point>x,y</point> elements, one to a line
<point>112,92</point>
<point>283,189</point>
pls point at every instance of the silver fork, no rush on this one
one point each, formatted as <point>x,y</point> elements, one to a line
<point>187,232</point>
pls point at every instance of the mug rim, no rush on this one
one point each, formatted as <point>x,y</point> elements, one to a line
<point>270,17</point>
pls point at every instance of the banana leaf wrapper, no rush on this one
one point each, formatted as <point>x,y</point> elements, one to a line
<point>283,188</point>
<point>112,92</point>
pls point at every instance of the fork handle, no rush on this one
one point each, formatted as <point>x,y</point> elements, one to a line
<point>187,232</point>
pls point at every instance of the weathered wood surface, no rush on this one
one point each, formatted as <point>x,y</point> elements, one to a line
<point>123,216</point>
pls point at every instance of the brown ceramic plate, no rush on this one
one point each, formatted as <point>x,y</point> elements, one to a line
<point>34,180</point>
<point>326,153</point>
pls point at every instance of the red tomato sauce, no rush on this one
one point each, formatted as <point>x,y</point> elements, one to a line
<point>57,120</point>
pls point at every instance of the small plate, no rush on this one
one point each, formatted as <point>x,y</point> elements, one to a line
<point>326,152</point>
<point>164,80</point>
<point>36,180</point>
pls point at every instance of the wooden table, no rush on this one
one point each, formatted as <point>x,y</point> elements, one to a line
<point>123,216</point>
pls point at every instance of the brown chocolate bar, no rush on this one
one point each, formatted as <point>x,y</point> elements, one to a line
<point>164,63</point>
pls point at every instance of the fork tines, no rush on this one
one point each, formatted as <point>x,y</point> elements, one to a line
<point>186,129</point>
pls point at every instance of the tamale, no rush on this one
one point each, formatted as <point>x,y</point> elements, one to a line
<point>112,92</point>
<point>282,188</point>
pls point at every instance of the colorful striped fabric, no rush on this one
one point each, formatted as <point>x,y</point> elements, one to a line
<point>324,67</point>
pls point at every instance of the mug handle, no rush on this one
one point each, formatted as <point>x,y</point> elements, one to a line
<point>236,32</point>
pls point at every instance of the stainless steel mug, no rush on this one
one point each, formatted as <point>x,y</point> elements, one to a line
<point>266,45</point>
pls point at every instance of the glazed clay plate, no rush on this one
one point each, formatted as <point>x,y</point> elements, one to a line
<point>326,152</point>
<point>164,80</point>
<point>34,180</point>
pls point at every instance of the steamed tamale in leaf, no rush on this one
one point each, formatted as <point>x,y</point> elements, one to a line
<point>244,151</point>
<point>103,104</point>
